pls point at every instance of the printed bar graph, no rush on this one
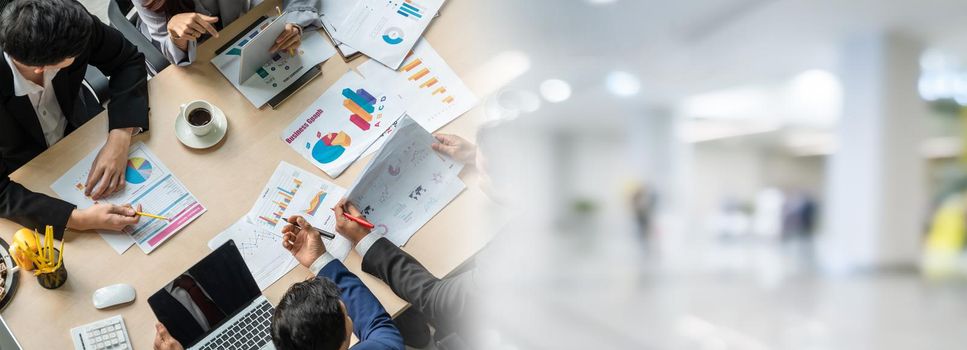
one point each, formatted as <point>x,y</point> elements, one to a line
<point>448,100</point>
<point>272,214</point>
<point>409,66</point>
<point>420,74</point>
<point>439,91</point>
<point>429,83</point>
<point>360,103</point>
<point>410,10</point>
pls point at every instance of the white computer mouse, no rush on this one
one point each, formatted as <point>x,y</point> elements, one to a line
<point>113,295</point>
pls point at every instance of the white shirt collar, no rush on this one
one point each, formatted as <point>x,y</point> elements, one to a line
<point>22,86</point>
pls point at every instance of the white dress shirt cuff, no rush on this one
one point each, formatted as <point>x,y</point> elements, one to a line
<point>321,262</point>
<point>183,58</point>
<point>304,18</point>
<point>364,244</point>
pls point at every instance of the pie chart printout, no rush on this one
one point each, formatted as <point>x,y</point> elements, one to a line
<point>138,171</point>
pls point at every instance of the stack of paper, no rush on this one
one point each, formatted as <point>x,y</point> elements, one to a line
<point>384,30</point>
<point>290,191</point>
<point>279,73</point>
<point>332,14</point>
<point>406,183</point>
<point>342,123</point>
<point>149,184</point>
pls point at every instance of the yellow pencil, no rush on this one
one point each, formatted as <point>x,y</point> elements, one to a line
<point>152,216</point>
<point>291,51</point>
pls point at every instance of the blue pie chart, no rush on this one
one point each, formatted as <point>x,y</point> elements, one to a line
<point>138,171</point>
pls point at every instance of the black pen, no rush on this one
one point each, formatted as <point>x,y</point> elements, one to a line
<point>323,233</point>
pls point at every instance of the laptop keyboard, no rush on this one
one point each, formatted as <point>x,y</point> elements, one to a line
<point>251,331</point>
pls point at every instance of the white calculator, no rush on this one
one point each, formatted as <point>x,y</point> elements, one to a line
<point>108,333</point>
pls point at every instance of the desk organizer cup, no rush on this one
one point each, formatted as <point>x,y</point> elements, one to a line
<point>56,278</point>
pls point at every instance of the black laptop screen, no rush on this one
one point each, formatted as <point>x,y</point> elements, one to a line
<point>197,301</point>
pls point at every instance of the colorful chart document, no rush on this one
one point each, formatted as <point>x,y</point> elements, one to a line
<point>386,30</point>
<point>406,183</point>
<point>149,184</point>
<point>261,249</point>
<point>293,191</point>
<point>339,126</point>
<point>276,74</point>
<point>434,94</point>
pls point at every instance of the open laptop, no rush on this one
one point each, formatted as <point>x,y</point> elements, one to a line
<point>216,304</point>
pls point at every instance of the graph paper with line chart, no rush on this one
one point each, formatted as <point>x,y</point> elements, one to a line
<point>261,249</point>
<point>149,184</point>
<point>434,94</point>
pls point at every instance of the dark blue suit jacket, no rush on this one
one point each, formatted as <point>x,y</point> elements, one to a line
<point>371,324</point>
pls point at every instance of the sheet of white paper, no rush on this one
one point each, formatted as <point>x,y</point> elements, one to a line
<point>150,184</point>
<point>386,30</point>
<point>434,94</point>
<point>261,249</point>
<point>278,73</point>
<point>293,191</point>
<point>406,183</point>
<point>314,202</point>
<point>339,126</point>
<point>332,14</point>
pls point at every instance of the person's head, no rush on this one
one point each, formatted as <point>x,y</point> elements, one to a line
<point>43,34</point>
<point>311,316</point>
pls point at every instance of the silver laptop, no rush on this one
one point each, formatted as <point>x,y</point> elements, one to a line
<point>216,304</point>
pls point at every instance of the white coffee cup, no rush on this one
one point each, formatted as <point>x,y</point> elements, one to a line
<point>199,129</point>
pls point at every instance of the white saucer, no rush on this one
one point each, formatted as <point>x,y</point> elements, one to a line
<point>183,130</point>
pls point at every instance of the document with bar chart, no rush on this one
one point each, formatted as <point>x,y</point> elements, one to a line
<point>150,184</point>
<point>293,191</point>
<point>434,94</point>
<point>341,124</point>
<point>386,30</point>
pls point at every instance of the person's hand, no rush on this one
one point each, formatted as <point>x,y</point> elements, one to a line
<point>305,244</point>
<point>107,172</point>
<point>352,230</point>
<point>456,147</point>
<point>104,216</point>
<point>191,26</point>
<point>290,38</point>
<point>164,341</point>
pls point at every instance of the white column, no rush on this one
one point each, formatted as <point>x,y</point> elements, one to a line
<point>875,181</point>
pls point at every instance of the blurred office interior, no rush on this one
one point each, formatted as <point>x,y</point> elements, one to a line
<point>729,174</point>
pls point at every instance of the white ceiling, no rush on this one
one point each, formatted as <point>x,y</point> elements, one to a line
<point>680,48</point>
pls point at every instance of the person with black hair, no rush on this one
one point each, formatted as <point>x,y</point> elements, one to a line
<point>47,46</point>
<point>323,312</point>
<point>176,27</point>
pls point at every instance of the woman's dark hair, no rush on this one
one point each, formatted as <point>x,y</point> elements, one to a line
<point>170,7</point>
<point>44,32</point>
<point>310,317</point>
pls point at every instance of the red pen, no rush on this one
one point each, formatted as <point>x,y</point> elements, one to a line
<point>360,221</point>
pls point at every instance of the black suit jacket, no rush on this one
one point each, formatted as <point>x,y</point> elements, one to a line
<point>22,138</point>
<point>448,303</point>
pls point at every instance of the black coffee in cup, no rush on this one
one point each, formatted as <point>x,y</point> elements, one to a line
<point>199,117</point>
